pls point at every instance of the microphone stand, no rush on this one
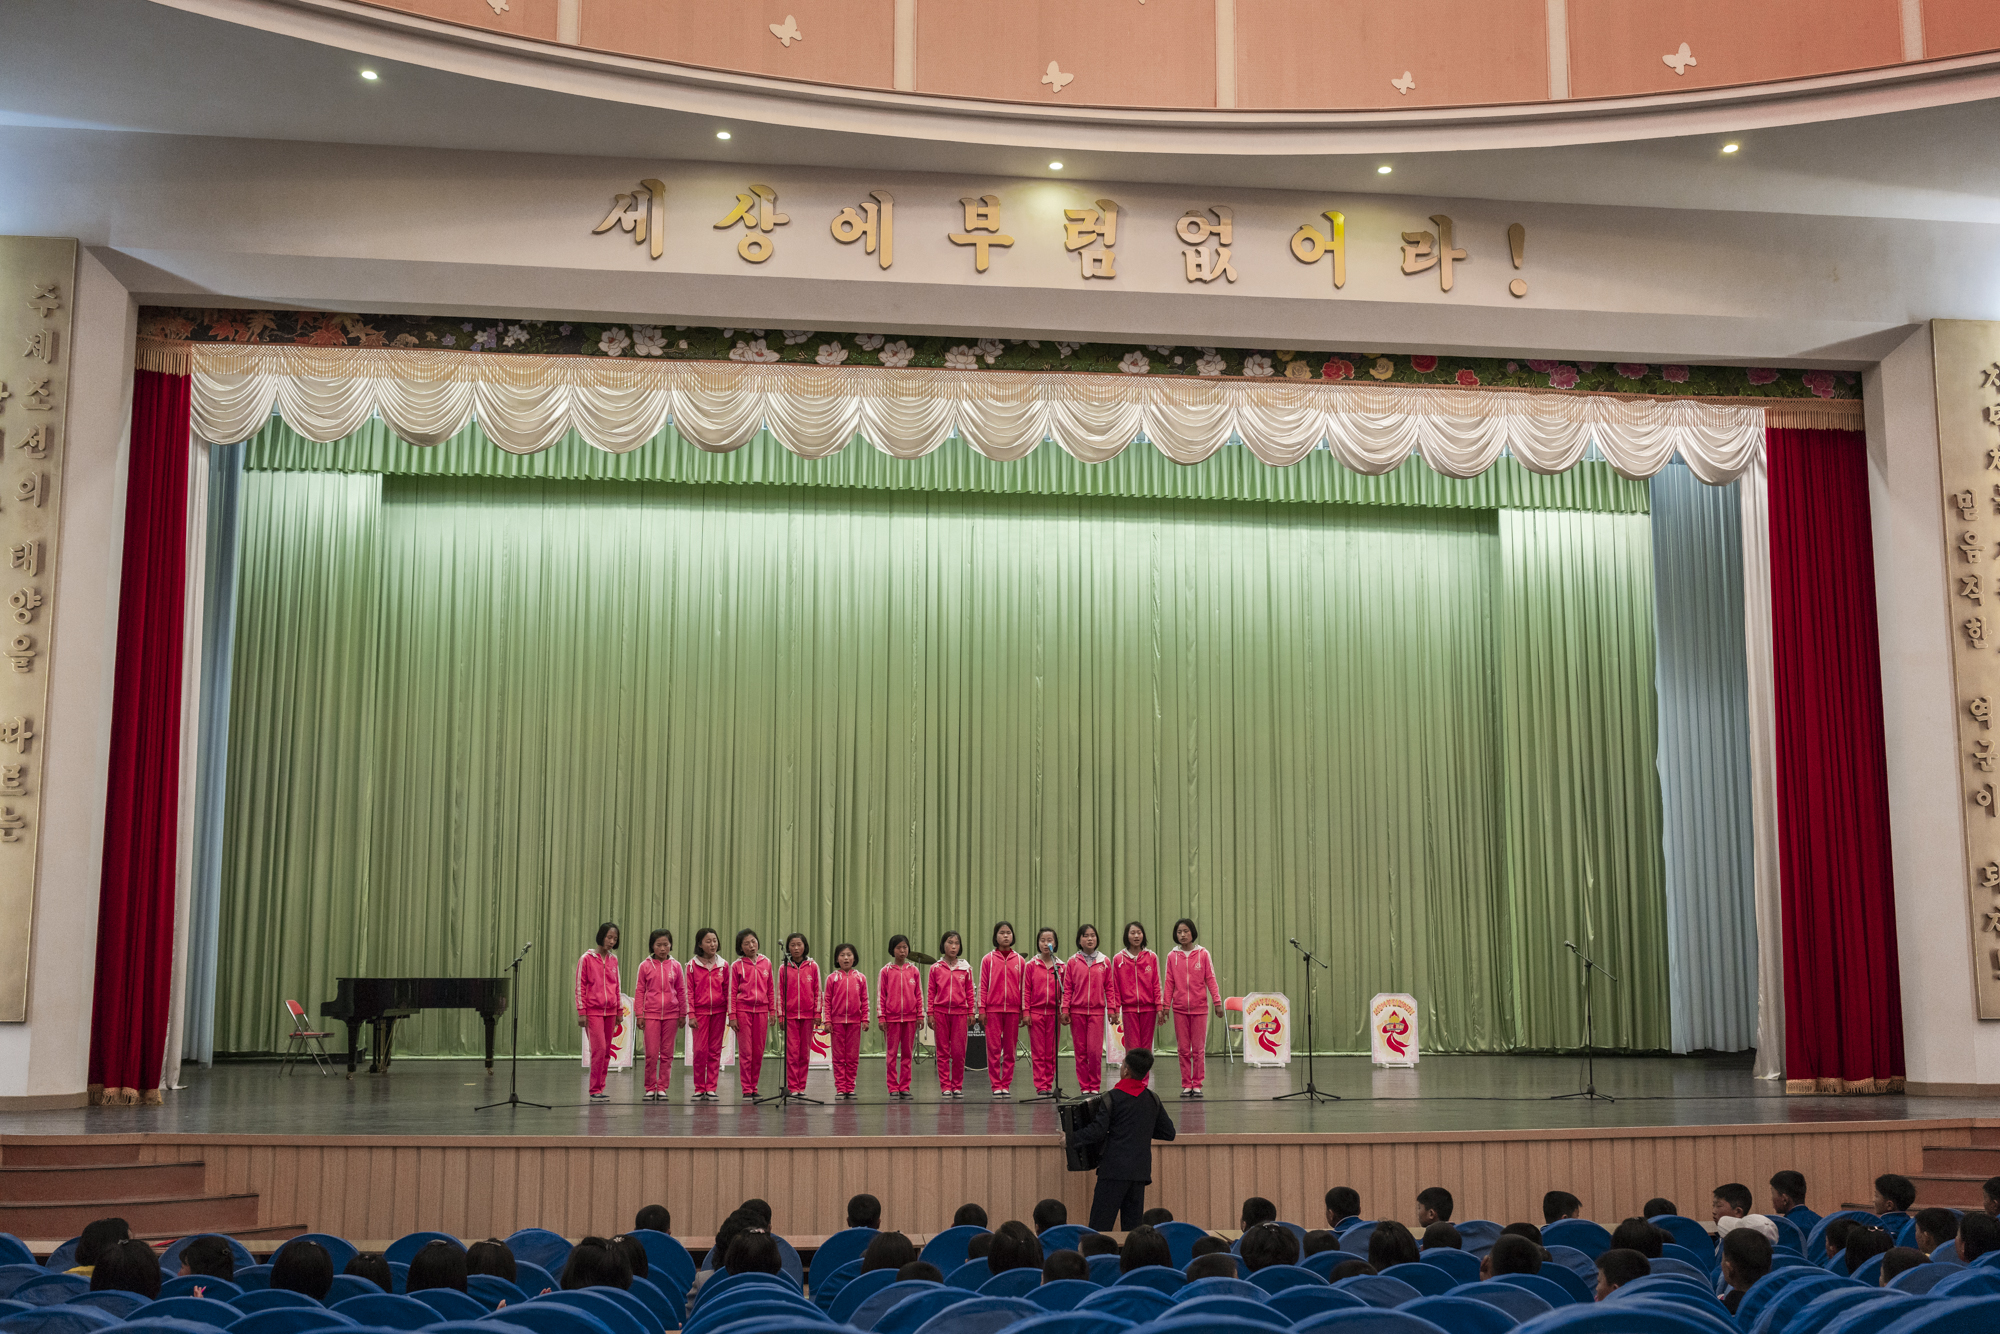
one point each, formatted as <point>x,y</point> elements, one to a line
<point>1055,957</point>
<point>1311,1091</point>
<point>1589,1091</point>
<point>514,1098</point>
<point>784,1097</point>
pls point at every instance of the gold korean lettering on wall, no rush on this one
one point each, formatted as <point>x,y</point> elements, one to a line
<point>37,278</point>
<point>1968,398</point>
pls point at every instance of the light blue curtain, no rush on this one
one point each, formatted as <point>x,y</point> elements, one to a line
<point>218,652</point>
<point>1704,762</point>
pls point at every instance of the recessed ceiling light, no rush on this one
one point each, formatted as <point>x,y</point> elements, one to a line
<point>722,134</point>
<point>1384,170</point>
<point>1730,148</point>
<point>369,75</point>
<point>1055,166</point>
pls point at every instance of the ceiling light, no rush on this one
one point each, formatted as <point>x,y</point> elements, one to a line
<point>1383,170</point>
<point>1055,166</point>
<point>722,134</point>
<point>369,75</point>
<point>1730,148</point>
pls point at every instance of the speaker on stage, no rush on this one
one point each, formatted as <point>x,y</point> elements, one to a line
<point>975,1046</point>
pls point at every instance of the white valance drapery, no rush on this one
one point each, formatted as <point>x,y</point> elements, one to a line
<point>527,403</point>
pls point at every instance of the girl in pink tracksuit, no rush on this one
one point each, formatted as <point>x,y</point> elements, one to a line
<point>1041,994</point>
<point>751,991</point>
<point>708,1011</point>
<point>599,1004</point>
<point>950,1004</point>
<point>1135,977</point>
<point>899,1009</point>
<point>1191,991</point>
<point>1000,1006</point>
<point>846,1008</point>
<point>1087,993</point>
<point>798,1003</point>
<point>660,1001</point>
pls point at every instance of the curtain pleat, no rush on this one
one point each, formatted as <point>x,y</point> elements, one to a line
<point>1766,881</point>
<point>479,711</point>
<point>1705,792</point>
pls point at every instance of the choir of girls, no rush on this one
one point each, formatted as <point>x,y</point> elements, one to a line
<point>712,997</point>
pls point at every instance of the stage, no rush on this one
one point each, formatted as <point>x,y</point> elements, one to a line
<point>376,1156</point>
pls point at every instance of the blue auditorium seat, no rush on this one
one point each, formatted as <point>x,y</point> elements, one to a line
<point>404,1248</point>
<point>1824,1309</point>
<point>1517,1302</point>
<point>666,1303</point>
<point>836,1251</point>
<point>1377,1290</point>
<point>795,1268</point>
<point>348,1285</point>
<point>1429,1280</point>
<point>1462,1268</point>
<point>1181,1238</point>
<point>1968,1282</point>
<point>1355,1240</point>
<point>947,1249</point>
<point>534,1280</point>
<point>1477,1235</point>
<point>1872,1317</point>
<point>1071,1322</point>
<point>1066,1237</point>
<point>982,1315</point>
<point>722,1284</point>
<point>1916,1281</point>
<point>1325,1262</point>
<point>1816,1239</point>
<point>388,1310</point>
<point>1955,1315</point>
<point>1012,1283</point>
<point>1103,1270</point>
<point>1547,1287</point>
<point>971,1276</point>
<point>1661,1287</point>
<point>1627,1318</point>
<point>1134,1302</point>
<point>1221,1287</point>
<point>880,1302</point>
<point>857,1290</point>
<point>270,1299</point>
<point>14,1251</point>
<point>1232,1308</point>
<point>1584,1235</point>
<point>1276,1278</point>
<point>489,1290</point>
<point>1870,1273</point>
<point>1667,1264</point>
<point>1673,1250</point>
<point>1301,1304</point>
<point>547,1318</point>
<point>550,1250</point>
<point>14,1275</point>
<point>828,1284</point>
<point>63,1258</point>
<point>665,1257</point>
<point>59,1319</point>
<point>112,1301</point>
<point>1158,1277</point>
<point>753,1308</point>
<point>148,1323</point>
<point>915,1308</point>
<point>290,1320</point>
<point>450,1303</point>
<point>196,1310</point>
<point>1777,1310</point>
<point>1461,1315</point>
<point>8,1308</point>
<point>50,1289</point>
<point>1368,1322</point>
<point>1065,1293</point>
<point>1195,1324</point>
<point>253,1278</point>
<point>1579,1290</point>
<point>219,1288</point>
<point>399,1275</point>
<point>1572,1259</point>
<point>1686,1232</point>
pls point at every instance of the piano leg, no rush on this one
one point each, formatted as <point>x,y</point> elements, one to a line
<point>378,1062</point>
<point>353,1041</point>
<point>491,1020</point>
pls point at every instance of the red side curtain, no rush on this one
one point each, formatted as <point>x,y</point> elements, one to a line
<point>1843,1001</point>
<point>135,915</point>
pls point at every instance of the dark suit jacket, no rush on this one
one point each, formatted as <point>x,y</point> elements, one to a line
<point>1127,1133</point>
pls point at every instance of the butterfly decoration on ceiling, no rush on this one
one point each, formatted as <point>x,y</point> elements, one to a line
<point>1056,79</point>
<point>1679,61</point>
<point>787,32</point>
<point>1404,84</point>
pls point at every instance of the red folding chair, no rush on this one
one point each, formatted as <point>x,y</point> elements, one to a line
<point>304,1038</point>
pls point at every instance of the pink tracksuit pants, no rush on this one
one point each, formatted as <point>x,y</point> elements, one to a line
<point>1003,1032</point>
<point>710,1032</point>
<point>1191,1041</point>
<point>1086,1035</point>
<point>950,1032</point>
<point>798,1053</point>
<point>900,1037</point>
<point>603,1027</point>
<point>751,1028</point>
<point>846,1054</point>
<point>1044,1040</point>
<point>660,1052</point>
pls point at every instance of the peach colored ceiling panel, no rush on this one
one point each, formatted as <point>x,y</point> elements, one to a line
<point>1362,53</point>
<point>1619,46</point>
<point>849,42</point>
<point>1114,52</point>
<point>522,18</point>
<point>1960,27</point>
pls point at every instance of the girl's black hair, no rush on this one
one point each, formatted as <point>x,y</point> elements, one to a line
<point>952,935</point>
<point>745,934</point>
<point>654,939</point>
<point>1125,936</point>
<point>1092,928</point>
<point>705,932</point>
<point>843,945</point>
<point>1194,932</point>
<point>1041,931</point>
<point>799,936</point>
<point>604,929</point>
<point>1010,931</point>
<point>895,941</point>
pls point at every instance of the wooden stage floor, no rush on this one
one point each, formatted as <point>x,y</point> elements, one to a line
<point>375,1157</point>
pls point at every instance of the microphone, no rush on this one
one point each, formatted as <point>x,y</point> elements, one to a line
<point>525,948</point>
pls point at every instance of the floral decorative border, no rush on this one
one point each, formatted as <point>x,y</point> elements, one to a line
<point>686,343</point>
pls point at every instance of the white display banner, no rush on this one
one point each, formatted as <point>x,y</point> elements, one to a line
<point>621,1038</point>
<point>1392,1029</point>
<point>1267,1028</point>
<point>819,1053</point>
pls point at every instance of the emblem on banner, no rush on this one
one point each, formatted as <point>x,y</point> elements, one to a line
<point>1392,1029</point>
<point>1267,1029</point>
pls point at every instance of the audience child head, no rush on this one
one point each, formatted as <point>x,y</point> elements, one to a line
<point>1978,1234</point>
<point>1636,1234</point>
<point>1155,1217</point>
<point>1560,1204</point>
<point>595,1263</point>
<point>374,1266</point>
<point>864,1211</point>
<point>1342,1202</point>
<point>920,1271</point>
<point>496,1258</point>
<point>1216,1264</point>
<point>437,1264</point>
<point>969,1215</point>
<point>761,1208</point>
<point>303,1266</point>
<point>654,1218</point>
<point>1064,1264</point>
<point>1934,1227</point>
<point>1144,1246</point>
<point>1896,1260</point>
<point>888,1250</point>
<point>1014,1247</point>
<point>1528,1230</point>
<point>735,1225</point>
<point>1788,1191</point>
<point>1894,1193</point>
<point>1094,1244</point>
<point>1442,1236</point>
<point>1746,1257</point>
<point>1391,1244</point>
<point>1659,1207</point>
<point>210,1257</point>
<point>1433,1206</point>
<point>129,1266</point>
<point>634,1252</point>
<point>1320,1239</point>
<point>1864,1244</point>
<point>1048,1214</point>
<point>99,1235</point>
<point>1991,1190</point>
<point>1349,1269</point>
<point>1617,1267</point>
<point>1836,1235</point>
<point>1210,1244</point>
<point>1268,1244</point>
<point>750,1253</point>
<point>1511,1255</point>
<point>1731,1201</point>
<point>1257,1210</point>
<point>977,1247</point>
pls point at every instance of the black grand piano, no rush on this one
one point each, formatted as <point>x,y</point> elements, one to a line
<point>381,1001</point>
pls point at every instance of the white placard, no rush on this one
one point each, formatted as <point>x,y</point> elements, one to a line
<point>819,1052</point>
<point>621,1038</point>
<point>1392,1029</point>
<point>1267,1028</point>
<point>1114,1039</point>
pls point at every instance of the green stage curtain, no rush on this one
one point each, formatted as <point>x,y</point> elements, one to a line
<point>497,710</point>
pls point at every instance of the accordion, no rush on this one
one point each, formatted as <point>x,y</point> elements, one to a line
<point>1074,1117</point>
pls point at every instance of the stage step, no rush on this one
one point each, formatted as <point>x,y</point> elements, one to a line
<point>98,1181</point>
<point>1939,1190</point>
<point>1961,1160</point>
<point>18,1153</point>
<point>165,1217</point>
